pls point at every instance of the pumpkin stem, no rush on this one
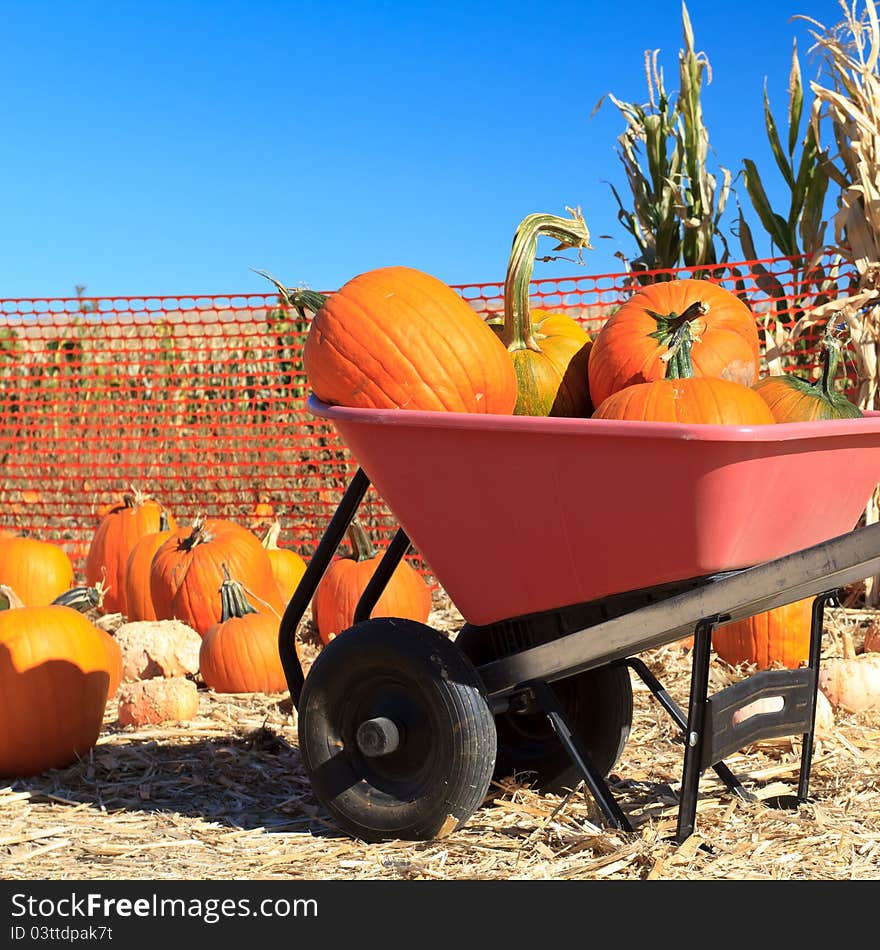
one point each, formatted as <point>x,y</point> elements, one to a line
<point>516,333</point>
<point>199,534</point>
<point>361,547</point>
<point>83,599</point>
<point>134,497</point>
<point>9,600</point>
<point>830,361</point>
<point>233,601</point>
<point>300,298</point>
<point>270,541</point>
<point>679,332</point>
<point>163,520</point>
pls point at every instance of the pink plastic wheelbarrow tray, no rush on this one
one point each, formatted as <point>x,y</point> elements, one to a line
<point>569,546</point>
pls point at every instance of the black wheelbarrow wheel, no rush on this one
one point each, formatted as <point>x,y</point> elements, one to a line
<point>395,732</point>
<point>597,703</point>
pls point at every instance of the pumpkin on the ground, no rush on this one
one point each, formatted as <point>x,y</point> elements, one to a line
<point>851,682</point>
<point>187,572</point>
<point>239,654</point>
<point>287,566</point>
<point>138,600</point>
<point>152,701</point>
<point>398,338</point>
<point>120,528</point>
<point>675,328</point>
<point>550,351</point>
<point>55,673</point>
<point>775,637</point>
<point>38,571</point>
<point>337,595</point>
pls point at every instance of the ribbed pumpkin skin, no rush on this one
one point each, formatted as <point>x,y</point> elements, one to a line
<point>624,353</point>
<point>554,382</point>
<point>54,678</point>
<point>185,584</point>
<point>240,655</point>
<point>38,571</point>
<point>781,635</point>
<point>793,400</point>
<point>138,601</point>
<point>340,589</point>
<point>698,400</point>
<point>397,338</point>
<point>117,533</point>
<point>287,566</point>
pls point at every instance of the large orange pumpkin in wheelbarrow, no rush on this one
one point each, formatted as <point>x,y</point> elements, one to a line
<point>677,328</point>
<point>397,338</point>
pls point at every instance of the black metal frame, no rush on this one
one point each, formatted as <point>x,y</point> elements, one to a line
<point>555,644</point>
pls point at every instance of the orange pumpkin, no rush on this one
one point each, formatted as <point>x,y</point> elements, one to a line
<point>37,570</point>
<point>550,351</point>
<point>287,566</point>
<point>397,338</point>
<point>794,399</point>
<point>775,637</point>
<point>187,572</point>
<point>138,601</point>
<point>239,653</point>
<point>667,325</point>
<point>337,595</point>
<point>119,529</point>
<point>55,670</point>
<point>696,400</point>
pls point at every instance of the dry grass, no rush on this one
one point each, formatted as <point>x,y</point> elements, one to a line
<point>226,797</point>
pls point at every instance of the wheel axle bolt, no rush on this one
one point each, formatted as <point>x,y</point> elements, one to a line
<point>377,737</point>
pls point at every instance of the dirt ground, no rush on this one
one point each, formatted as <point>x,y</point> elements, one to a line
<point>225,797</point>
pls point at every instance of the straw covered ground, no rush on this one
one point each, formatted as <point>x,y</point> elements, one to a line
<point>225,797</point>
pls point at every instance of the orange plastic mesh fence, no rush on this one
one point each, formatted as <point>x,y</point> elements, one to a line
<point>200,401</point>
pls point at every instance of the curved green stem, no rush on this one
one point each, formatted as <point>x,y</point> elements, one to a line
<point>570,232</point>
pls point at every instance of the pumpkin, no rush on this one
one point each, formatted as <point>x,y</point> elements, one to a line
<point>794,399</point>
<point>239,654</point>
<point>54,677</point>
<point>119,529</point>
<point>398,338</point>
<point>691,400</point>
<point>336,596</point>
<point>550,351</point>
<point>156,700</point>
<point>138,601</point>
<point>775,637</point>
<point>37,570</point>
<point>851,682</point>
<point>287,566</point>
<point>675,328</point>
<point>187,572</point>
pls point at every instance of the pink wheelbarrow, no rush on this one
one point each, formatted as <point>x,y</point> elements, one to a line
<point>569,546</point>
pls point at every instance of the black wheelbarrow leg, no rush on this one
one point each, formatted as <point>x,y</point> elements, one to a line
<point>816,629</point>
<point>640,668</point>
<point>548,701</point>
<point>315,569</point>
<point>694,732</point>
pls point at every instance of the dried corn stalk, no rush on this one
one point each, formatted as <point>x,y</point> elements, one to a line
<point>850,101</point>
<point>677,203</point>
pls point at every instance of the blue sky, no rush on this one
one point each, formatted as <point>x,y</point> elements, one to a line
<point>168,147</point>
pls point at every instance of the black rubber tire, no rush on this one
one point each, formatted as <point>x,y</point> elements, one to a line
<point>418,678</point>
<point>597,703</point>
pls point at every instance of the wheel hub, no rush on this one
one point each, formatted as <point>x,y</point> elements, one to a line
<point>378,737</point>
